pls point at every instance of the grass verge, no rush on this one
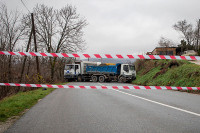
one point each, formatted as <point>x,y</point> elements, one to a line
<point>14,105</point>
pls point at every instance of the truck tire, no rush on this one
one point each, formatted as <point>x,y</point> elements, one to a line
<point>122,79</point>
<point>94,78</point>
<point>79,79</point>
<point>101,79</point>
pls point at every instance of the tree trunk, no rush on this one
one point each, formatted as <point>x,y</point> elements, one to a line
<point>29,64</point>
<point>198,32</point>
<point>52,68</point>
<point>9,69</point>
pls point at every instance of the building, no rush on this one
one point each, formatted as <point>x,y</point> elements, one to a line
<point>166,51</point>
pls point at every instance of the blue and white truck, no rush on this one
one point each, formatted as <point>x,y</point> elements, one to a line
<point>97,72</point>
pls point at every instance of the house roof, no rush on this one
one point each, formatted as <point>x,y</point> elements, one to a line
<point>163,47</point>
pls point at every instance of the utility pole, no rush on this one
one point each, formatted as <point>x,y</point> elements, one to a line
<point>34,38</point>
<point>27,48</point>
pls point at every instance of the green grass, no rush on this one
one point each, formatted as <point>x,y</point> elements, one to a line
<point>186,74</point>
<point>16,104</point>
<point>147,78</point>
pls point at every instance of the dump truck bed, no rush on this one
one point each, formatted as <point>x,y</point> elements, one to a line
<point>114,69</point>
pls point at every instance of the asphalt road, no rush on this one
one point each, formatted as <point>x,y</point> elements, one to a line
<point>108,111</point>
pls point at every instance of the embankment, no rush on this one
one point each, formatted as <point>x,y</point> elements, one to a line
<point>167,73</point>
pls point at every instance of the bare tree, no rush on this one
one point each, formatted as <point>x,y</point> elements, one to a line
<point>164,42</point>
<point>58,30</point>
<point>3,36</point>
<point>186,29</point>
<point>197,35</point>
<point>11,32</point>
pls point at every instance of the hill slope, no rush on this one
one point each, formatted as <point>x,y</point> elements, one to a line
<point>167,73</point>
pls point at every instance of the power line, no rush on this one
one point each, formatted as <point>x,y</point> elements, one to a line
<point>25,6</point>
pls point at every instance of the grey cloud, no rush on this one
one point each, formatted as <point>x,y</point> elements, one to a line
<point>126,26</point>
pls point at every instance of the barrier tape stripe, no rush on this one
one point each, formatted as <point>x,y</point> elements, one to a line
<point>103,87</point>
<point>118,56</point>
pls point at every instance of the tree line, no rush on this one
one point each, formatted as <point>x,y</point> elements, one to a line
<point>190,36</point>
<point>56,31</point>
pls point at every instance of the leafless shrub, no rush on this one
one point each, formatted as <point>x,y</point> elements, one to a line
<point>57,31</point>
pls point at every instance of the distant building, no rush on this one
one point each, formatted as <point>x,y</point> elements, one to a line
<point>166,51</point>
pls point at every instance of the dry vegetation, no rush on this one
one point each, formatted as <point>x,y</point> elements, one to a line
<point>30,73</point>
<point>56,31</point>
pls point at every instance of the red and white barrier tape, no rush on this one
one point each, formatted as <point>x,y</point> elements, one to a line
<point>114,56</point>
<point>102,87</point>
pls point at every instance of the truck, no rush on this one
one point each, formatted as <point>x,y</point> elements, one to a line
<point>98,72</point>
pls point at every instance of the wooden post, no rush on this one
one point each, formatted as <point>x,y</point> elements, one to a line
<point>34,38</point>
<point>27,48</point>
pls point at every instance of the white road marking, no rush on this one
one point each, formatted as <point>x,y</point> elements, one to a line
<point>169,106</point>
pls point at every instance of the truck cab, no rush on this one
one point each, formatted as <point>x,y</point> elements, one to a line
<point>72,71</point>
<point>77,70</point>
<point>127,73</point>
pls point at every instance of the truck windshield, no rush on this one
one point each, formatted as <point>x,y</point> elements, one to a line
<point>131,67</point>
<point>69,67</point>
<point>125,67</point>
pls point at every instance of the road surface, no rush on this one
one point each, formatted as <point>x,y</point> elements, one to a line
<point>112,111</point>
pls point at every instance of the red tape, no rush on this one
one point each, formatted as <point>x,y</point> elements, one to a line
<point>114,56</point>
<point>102,87</point>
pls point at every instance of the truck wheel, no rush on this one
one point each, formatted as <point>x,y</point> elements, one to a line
<point>101,79</point>
<point>94,79</point>
<point>79,79</point>
<point>122,79</point>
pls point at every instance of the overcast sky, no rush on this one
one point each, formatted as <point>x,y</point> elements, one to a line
<point>124,26</point>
